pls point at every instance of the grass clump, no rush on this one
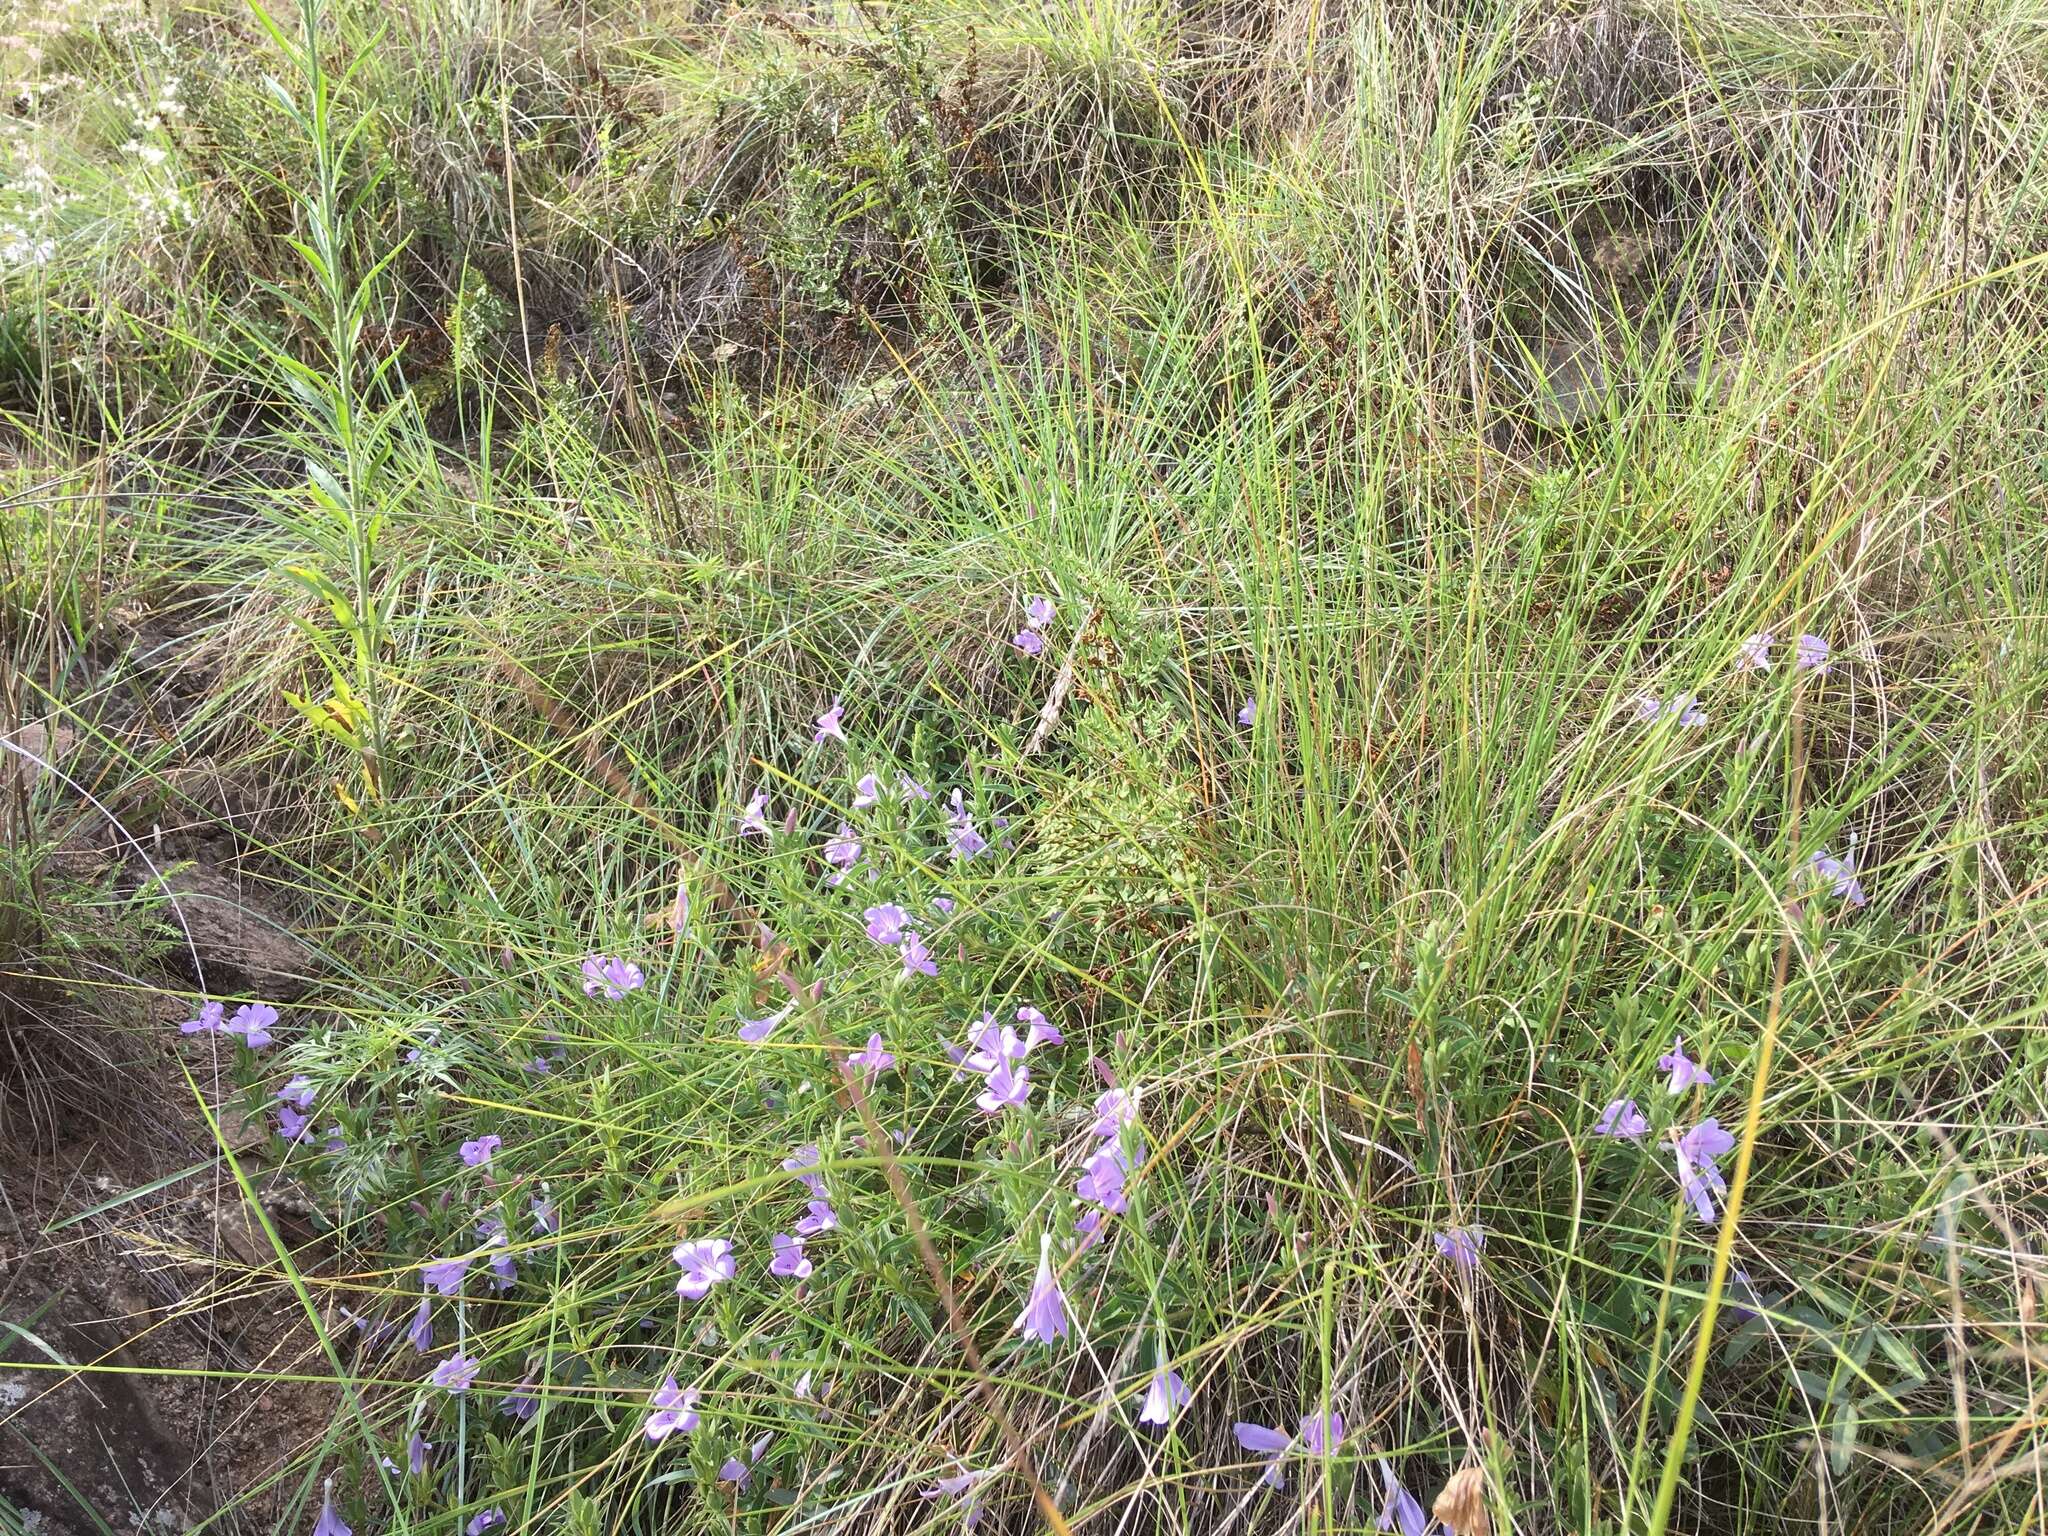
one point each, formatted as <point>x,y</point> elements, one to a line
<point>916,657</point>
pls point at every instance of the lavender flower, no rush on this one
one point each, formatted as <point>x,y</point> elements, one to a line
<point>1271,1443</point>
<point>1755,653</point>
<point>207,1023</point>
<point>819,1217</point>
<point>292,1125</point>
<point>416,1453</point>
<point>521,1402</point>
<point>444,1275</point>
<point>1810,654</point>
<point>420,1335</point>
<point>799,1162</point>
<point>1029,641</point>
<point>1164,1397</point>
<point>842,852</point>
<point>1683,708</point>
<point>754,1031</point>
<point>874,1059</point>
<point>754,819</point>
<point>1401,1511</point>
<point>1461,1245</point>
<point>1322,1433</point>
<point>943,905</point>
<point>1102,1181</point>
<point>910,789</point>
<point>329,1523</point>
<point>789,1261</point>
<point>1038,611</point>
<point>1699,1176</point>
<point>1113,1111</point>
<point>1622,1120</point>
<point>1685,1072</point>
<point>485,1521</point>
<point>252,1022</point>
<point>504,1273</point>
<point>456,1373</point>
<point>298,1093</point>
<point>740,1473</point>
<point>704,1264</point>
<point>1044,1317</point>
<point>1038,1030</point>
<point>1249,713</point>
<point>963,841</point>
<point>477,1153</point>
<point>828,725</point>
<point>867,792</point>
<point>675,1411</point>
<point>544,1220</point>
<point>611,976</point>
<point>916,958</point>
<point>1840,875</point>
<point>1008,1088</point>
<point>885,924</point>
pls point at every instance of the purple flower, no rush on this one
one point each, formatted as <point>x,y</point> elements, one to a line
<point>916,958</point>
<point>674,1411</point>
<point>1261,1441</point>
<point>1102,1182</point>
<point>298,1093</point>
<point>754,819</point>
<point>1810,654</point>
<point>1044,1317</point>
<point>754,1031</point>
<point>872,1060</point>
<point>704,1264</point>
<point>1038,611</point>
<point>444,1275</point>
<point>1322,1433</point>
<point>252,1022</point>
<point>1089,1224</point>
<point>944,905</point>
<point>951,1487</point>
<point>1249,713</point>
<point>828,725</point>
<point>329,1523</point>
<point>504,1272</point>
<point>1165,1397</point>
<point>477,1153</point>
<point>520,1403</point>
<point>799,1162</point>
<point>1754,656</point>
<point>910,789</point>
<point>842,852</point>
<point>416,1453</point>
<point>485,1521</point>
<point>611,976</point>
<point>1682,707</point>
<point>1401,1511</point>
<point>1699,1176</point>
<point>456,1373</point>
<point>1029,641</point>
<point>1461,1245</point>
<point>963,841</point>
<point>291,1125</point>
<point>1685,1072</point>
<point>1037,1030</point>
<point>1622,1120</point>
<point>885,924</point>
<point>208,1022</point>
<point>544,1221</point>
<point>1840,875</point>
<point>819,1217</point>
<point>420,1335</point>
<point>1113,1111</point>
<point>867,792</point>
<point>789,1261</point>
<point>740,1473</point>
<point>1009,1087</point>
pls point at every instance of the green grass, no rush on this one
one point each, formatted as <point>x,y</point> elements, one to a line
<point>1230,338</point>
